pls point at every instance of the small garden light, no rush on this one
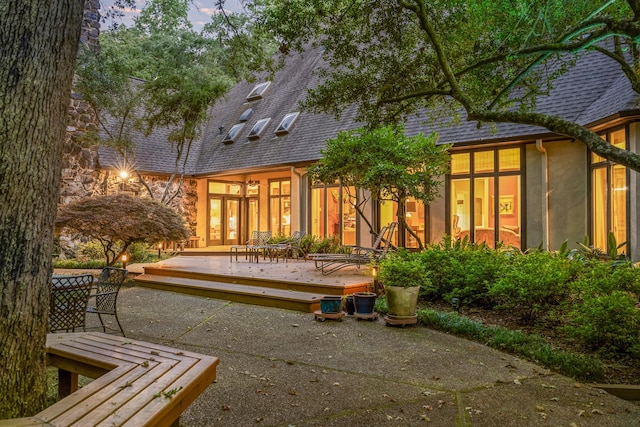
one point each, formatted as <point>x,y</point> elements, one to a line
<point>455,302</point>
<point>374,273</point>
<point>159,248</point>
<point>124,260</point>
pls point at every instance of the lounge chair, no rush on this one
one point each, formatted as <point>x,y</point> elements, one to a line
<point>357,255</point>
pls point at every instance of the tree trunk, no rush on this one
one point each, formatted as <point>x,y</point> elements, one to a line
<point>38,45</point>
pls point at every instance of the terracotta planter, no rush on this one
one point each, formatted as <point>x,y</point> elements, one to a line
<point>402,301</point>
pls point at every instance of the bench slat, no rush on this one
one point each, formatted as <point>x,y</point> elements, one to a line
<point>157,413</point>
<point>126,400</point>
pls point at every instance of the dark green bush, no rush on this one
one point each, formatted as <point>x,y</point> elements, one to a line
<point>463,270</point>
<point>531,284</point>
<point>603,313</point>
<point>327,245</point>
<point>75,264</point>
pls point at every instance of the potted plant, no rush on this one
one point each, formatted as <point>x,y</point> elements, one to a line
<point>349,305</point>
<point>330,304</point>
<point>403,275</point>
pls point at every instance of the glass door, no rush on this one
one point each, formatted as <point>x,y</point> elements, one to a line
<point>224,221</point>
<point>215,221</point>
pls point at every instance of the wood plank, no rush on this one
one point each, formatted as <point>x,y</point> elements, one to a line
<point>24,422</point>
<point>162,410</point>
<point>129,400</point>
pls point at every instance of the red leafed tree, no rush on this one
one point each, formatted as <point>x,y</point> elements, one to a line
<point>117,221</point>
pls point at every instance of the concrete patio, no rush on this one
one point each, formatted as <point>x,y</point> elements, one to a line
<point>282,368</point>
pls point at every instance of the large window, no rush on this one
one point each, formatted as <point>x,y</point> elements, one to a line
<point>333,213</point>
<point>414,215</point>
<point>485,200</point>
<point>609,191</point>
<point>280,207</point>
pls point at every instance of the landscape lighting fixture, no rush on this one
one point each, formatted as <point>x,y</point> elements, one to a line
<point>455,302</point>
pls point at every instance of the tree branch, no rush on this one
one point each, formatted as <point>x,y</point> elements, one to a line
<point>592,140</point>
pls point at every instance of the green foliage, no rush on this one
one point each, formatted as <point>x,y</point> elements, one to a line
<point>530,284</point>
<point>608,322</point>
<point>76,264</point>
<point>92,250</point>
<point>327,245</point>
<point>404,269</point>
<point>380,306</point>
<point>306,243</point>
<point>158,74</point>
<point>492,59</point>
<point>464,270</point>
<point>534,347</point>
<point>603,312</point>
<point>386,163</point>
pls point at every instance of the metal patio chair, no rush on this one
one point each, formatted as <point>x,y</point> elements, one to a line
<point>106,296</point>
<point>68,302</point>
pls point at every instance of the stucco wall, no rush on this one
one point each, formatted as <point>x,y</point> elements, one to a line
<point>567,193</point>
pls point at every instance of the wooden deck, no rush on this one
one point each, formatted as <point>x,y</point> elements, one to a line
<point>294,285</point>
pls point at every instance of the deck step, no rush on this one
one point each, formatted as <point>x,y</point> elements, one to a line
<point>295,283</point>
<point>238,292</point>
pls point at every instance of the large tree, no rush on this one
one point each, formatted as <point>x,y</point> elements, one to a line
<point>38,46</point>
<point>483,60</point>
<point>179,73</point>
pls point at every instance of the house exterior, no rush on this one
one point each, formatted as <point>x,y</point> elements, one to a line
<point>521,185</point>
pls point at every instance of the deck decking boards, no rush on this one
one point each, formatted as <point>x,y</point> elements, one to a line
<point>296,285</point>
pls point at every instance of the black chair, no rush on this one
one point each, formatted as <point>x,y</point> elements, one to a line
<point>68,302</point>
<point>106,296</point>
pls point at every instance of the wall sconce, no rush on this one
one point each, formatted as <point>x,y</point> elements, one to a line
<point>455,302</point>
<point>124,260</point>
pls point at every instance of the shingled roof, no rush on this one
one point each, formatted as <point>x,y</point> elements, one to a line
<point>592,90</point>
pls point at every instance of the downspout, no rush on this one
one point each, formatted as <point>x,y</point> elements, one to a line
<point>542,150</point>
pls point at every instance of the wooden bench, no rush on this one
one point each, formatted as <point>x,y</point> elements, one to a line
<point>136,383</point>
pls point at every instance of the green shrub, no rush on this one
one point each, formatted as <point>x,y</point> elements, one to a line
<point>75,264</point>
<point>306,243</point>
<point>91,250</point>
<point>607,322</point>
<point>534,347</point>
<point>531,284</point>
<point>463,270</point>
<point>380,305</point>
<point>403,268</point>
<point>327,245</point>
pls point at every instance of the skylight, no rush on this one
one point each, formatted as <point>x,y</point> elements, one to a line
<point>246,115</point>
<point>231,136</point>
<point>258,91</point>
<point>257,129</point>
<point>285,125</point>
